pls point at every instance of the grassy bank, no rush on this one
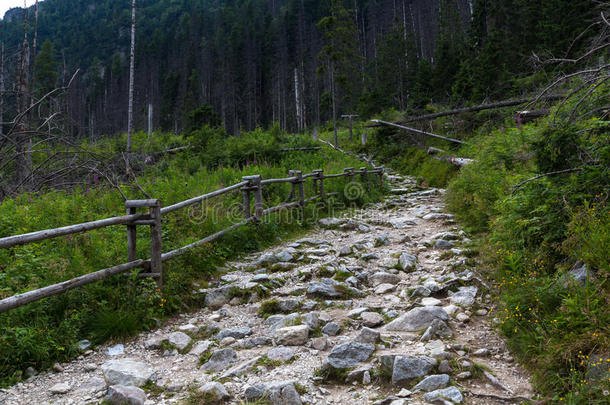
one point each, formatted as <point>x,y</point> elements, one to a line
<point>45,332</point>
<point>531,235</point>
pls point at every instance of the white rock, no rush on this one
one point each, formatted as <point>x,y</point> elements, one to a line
<point>430,302</point>
<point>115,350</point>
<point>451,309</point>
<point>293,335</point>
<point>126,372</point>
<point>384,288</point>
<point>60,388</point>
<point>179,339</point>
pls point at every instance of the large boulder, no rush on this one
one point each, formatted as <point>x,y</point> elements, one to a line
<point>350,354</point>
<point>417,319</point>
<point>126,372</point>
<point>368,335</point>
<point>125,395</point>
<point>464,297</point>
<point>382,277</point>
<point>237,333</point>
<point>217,297</point>
<point>407,368</point>
<point>215,392</point>
<point>220,360</point>
<point>293,335</point>
<point>179,339</point>
<point>432,382</point>
<point>448,395</point>
<point>407,262</point>
<point>277,392</point>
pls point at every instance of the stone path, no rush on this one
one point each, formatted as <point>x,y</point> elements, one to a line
<point>382,309</point>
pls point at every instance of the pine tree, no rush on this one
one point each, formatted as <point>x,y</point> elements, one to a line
<point>340,58</point>
<point>45,67</point>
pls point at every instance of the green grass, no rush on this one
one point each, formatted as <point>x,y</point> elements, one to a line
<point>269,307</point>
<point>528,238</point>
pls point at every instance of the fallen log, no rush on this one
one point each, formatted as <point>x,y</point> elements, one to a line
<point>476,108</point>
<point>418,131</point>
<point>527,115</point>
<point>456,161</point>
<point>304,148</point>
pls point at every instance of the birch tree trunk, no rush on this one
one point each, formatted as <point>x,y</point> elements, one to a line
<point>22,169</point>
<point>131,80</point>
<point>332,95</point>
<point>298,103</point>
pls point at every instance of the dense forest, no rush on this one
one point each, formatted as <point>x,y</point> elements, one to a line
<point>289,61</point>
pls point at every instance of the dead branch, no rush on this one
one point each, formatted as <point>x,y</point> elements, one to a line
<point>24,113</point>
<point>109,180</point>
<point>586,95</point>
<point>604,18</point>
<point>135,178</point>
<point>573,61</point>
<point>575,169</point>
<point>517,399</point>
<point>566,77</point>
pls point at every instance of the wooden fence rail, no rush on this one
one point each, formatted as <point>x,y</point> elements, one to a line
<point>153,266</point>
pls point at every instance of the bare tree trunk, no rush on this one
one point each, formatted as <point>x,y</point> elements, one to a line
<point>33,54</point>
<point>2,89</point>
<point>298,103</point>
<point>22,169</point>
<point>332,92</point>
<point>150,120</point>
<point>131,80</point>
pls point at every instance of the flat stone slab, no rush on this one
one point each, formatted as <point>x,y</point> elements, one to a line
<point>417,319</point>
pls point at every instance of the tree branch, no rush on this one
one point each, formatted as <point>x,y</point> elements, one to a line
<point>576,169</point>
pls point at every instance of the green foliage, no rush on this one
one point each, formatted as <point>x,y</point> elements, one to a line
<point>534,233</point>
<point>269,307</point>
<point>45,67</point>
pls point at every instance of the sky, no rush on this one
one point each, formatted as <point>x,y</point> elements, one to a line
<point>7,4</point>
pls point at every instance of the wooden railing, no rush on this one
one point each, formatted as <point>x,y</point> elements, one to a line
<point>153,266</point>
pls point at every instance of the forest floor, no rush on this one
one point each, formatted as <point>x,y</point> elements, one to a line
<point>383,307</point>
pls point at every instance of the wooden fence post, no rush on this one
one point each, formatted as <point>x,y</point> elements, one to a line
<point>364,176</point>
<point>292,186</point>
<point>155,223</point>
<point>131,237</point>
<point>319,183</point>
<point>299,182</point>
<point>381,176</point>
<point>246,203</point>
<point>156,263</point>
<point>258,197</point>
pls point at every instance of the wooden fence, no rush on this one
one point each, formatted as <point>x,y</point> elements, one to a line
<point>153,218</point>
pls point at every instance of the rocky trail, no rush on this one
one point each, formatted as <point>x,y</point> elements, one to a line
<point>382,309</point>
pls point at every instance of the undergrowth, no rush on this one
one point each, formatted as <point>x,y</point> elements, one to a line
<point>531,235</point>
